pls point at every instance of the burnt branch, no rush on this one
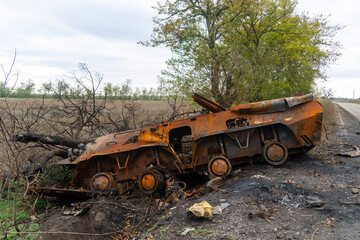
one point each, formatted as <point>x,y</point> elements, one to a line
<point>38,161</point>
<point>52,140</point>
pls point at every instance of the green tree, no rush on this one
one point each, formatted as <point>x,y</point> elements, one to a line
<point>25,89</point>
<point>46,88</point>
<point>136,94</point>
<point>4,90</point>
<point>61,88</point>
<point>108,90</point>
<point>278,52</point>
<point>241,50</point>
<point>125,89</point>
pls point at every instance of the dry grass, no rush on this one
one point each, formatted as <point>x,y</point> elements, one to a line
<point>329,121</point>
<point>357,101</point>
<point>26,112</point>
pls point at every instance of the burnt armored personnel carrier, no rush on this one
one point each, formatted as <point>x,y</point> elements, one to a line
<point>211,142</point>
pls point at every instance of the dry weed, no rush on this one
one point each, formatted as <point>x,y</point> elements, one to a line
<point>329,121</point>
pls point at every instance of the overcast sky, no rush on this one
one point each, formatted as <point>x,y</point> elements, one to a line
<point>52,37</point>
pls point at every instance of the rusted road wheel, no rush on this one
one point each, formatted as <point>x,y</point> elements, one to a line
<point>219,166</point>
<point>275,153</point>
<point>102,181</point>
<point>150,181</point>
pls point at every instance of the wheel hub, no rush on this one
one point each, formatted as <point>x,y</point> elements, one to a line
<point>219,166</point>
<point>151,181</point>
<point>101,181</point>
<point>148,181</point>
<point>275,153</point>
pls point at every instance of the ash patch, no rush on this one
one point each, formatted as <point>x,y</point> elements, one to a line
<point>100,218</point>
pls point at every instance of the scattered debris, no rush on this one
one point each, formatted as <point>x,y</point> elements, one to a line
<point>236,172</point>
<point>354,153</point>
<point>215,183</point>
<point>260,215</point>
<point>286,199</point>
<point>73,212</point>
<point>314,202</point>
<point>260,175</point>
<point>329,222</point>
<point>219,209</point>
<point>292,182</point>
<point>201,210</point>
<point>355,190</point>
<point>263,207</point>
<point>194,192</point>
<point>187,230</point>
<point>349,203</point>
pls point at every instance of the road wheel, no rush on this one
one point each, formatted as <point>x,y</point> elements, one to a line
<point>102,181</point>
<point>219,166</point>
<point>275,153</point>
<point>150,181</point>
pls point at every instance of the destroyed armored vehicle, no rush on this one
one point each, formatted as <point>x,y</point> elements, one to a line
<point>212,142</point>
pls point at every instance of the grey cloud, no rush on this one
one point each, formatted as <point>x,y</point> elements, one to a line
<point>116,20</point>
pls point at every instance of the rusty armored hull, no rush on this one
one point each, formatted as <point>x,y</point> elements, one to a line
<point>211,143</point>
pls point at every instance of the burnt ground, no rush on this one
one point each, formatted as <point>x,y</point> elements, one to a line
<point>312,196</point>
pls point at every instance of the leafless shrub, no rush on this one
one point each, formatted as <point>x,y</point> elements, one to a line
<point>11,151</point>
<point>327,92</point>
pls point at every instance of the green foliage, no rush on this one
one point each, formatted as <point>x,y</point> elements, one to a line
<point>153,227</point>
<point>22,227</point>
<point>4,90</point>
<point>235,51</point>
<point>41,203</point>
<point>31,237</point>
<point>202,232</point>
<point>7,221</point>
<point>6,208</point>
<point>33,227</point>
<point>22,213</point>
<point>56,175</point>
<point>25,90</point>
<point>7,217</point>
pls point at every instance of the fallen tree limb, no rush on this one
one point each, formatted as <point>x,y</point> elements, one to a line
<point>51,140</point>
<point>38,161</point>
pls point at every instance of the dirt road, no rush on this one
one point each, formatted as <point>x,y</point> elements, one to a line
<point>352,108</point>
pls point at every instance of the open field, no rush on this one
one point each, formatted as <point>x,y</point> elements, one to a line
<point>28,111</point>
